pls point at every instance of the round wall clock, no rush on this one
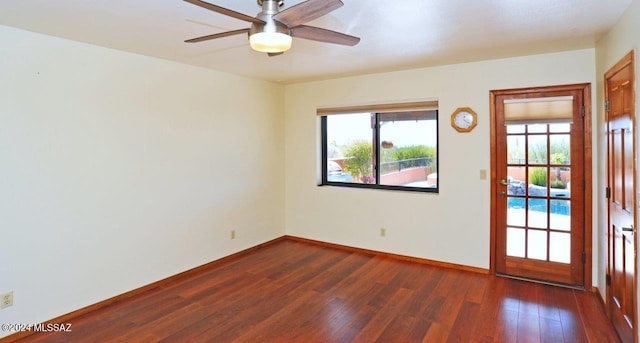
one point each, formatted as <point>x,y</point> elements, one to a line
<point>464,119</point>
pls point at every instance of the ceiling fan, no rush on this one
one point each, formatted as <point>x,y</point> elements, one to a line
<point>272,30</point>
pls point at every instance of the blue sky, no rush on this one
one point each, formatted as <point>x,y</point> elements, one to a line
<point>345,129</point>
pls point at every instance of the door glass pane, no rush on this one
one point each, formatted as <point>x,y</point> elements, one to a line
<point>516,149</point>
<point>560,127</point>
<point>537,128</point>
<point>560,247</point>
<point>537,245</point>
<point>538,149</point>
<point>515,128</point>
<point>515,212</point>
<point>516,178</point>
<point>560,218</point>
<point>515,242</point>
<point>560,149</point>
<point>560,178</point>
<point>537,181</point>
<point>565,175</point>
<point>537,214</point>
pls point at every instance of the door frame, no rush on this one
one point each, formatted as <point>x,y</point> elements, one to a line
<point>588,189</point>
<point>628,59</point>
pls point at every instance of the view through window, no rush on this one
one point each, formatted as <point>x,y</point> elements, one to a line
<point>388,150</point>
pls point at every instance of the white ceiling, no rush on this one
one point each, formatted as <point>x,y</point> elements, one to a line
<point>395,34</point>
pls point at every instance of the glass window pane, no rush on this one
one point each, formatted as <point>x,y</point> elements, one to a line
<point>516,149</point>
<point>349,148</point>
<point>560,247</point>
<point>537,213</point>
<point>560,149</point>
<point>515,212</point>
<point>537,244</point>
<point>560,217</point>
<point>538,149</point>
<point>515,242</point>
<point>408,151</point>
<point>561,127</point>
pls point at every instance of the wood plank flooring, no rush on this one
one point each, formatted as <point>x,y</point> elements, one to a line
<point>292,291</point>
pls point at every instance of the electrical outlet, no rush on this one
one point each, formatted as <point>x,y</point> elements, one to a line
<point>383,232</point>
<point>6,299</point>
<point>233,234</point>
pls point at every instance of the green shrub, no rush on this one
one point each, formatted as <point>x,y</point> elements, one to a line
<point>538,176</point>
<point>359,158</point>
<point>558,184</point>
<point>416,151</point>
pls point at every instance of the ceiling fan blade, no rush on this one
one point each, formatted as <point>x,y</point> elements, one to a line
<point>306,11</point>
<point>323,35</point>
<point>225,11</point>
<point>217,35</point>
<point>271,54</point>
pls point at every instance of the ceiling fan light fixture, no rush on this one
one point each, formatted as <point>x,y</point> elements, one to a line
<point>272,30</point>
<point>270,41</point>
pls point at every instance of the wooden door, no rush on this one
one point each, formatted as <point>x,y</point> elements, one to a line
<point>538,191</point>
<point>621,194</point>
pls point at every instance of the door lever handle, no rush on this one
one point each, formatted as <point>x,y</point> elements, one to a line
<point>504,182</point>
<point>628,229</point>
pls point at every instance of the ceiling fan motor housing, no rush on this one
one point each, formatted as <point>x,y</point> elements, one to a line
<point>280,2</point>
<point>269,9</point>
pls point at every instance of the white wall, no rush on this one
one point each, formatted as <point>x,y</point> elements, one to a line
<point>452,226</point>
<point>624,37</point>
<point>117,170</point>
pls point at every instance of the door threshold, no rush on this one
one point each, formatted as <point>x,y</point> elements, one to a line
<point>576,287</point>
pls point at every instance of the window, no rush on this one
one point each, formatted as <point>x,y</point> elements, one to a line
<point>384,146</point>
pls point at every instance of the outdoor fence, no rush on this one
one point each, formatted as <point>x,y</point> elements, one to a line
<point>397,166</point>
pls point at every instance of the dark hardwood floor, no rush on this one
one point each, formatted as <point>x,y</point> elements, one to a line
<point>292,291</point>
